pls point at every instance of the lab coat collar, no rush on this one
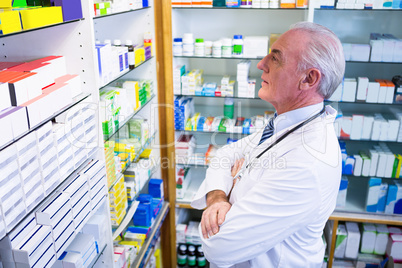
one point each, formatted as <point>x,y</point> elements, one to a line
<point>329,116</point>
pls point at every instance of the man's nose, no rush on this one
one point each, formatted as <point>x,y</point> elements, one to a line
<point>262,65</point>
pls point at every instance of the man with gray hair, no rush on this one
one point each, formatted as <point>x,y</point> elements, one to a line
<point>268,207</point>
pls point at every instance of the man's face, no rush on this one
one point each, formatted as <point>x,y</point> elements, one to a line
<point>280,76</point>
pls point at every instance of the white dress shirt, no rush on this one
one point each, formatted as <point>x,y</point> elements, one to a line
<point>280,206</point>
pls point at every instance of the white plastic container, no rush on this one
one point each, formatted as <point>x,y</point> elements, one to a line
<point>238,46</point>
<point>199,49</point>
<point>227,47</point>
<point>208,48</point>
<point>177,47</point>
<point>217,49</point>
<point>188,44</point>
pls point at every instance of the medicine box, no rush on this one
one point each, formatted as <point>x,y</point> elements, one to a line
<point>372,194</point>
<point>381,239</point>
<point>369,235</point>
<point>353,240</point>
<point>31,248</point>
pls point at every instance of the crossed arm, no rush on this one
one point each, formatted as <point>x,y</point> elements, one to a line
<point>217,206</point>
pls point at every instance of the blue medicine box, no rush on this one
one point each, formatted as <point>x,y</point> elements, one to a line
<point>155,188</point>
<point>143,215</point>
<point>156,206</point>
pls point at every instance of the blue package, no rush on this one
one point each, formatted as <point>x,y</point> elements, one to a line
<point>155,188</point>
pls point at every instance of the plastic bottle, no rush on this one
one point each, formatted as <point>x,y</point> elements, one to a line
<point>201,262</point>
<point>191,258</point>
<point>182,256</point>
<point>188,44</point>
<point>199,49</point>
<point>107,41</point>
<point>131,56</point>
<point>227,48</point>
<point>208,48</point>
<point>217,49</point>
<point>228,108</point>
<point>238,46</point>
<point>178,47</point>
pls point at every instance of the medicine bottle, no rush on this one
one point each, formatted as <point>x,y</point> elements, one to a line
<point>131,56</point>
<point>191,258</point>
<point>182,256</point>
<point>107,41</point>
<point>178,47</point>
<point>200,257</point>
<point>228,108</point>
<point>217,49</point>
<point>117,42</point>
<point>188,44</point>
<point>208,48</point>
<point>199,49</point>
<point>238,46</point>
<point>227,47</point>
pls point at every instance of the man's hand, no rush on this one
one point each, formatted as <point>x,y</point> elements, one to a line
<point>214,215</point>
<point>217,207</point>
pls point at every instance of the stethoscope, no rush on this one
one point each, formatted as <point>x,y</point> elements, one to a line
<point>240,174</point>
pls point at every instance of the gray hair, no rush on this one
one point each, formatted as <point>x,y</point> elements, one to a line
<point>325,53</point>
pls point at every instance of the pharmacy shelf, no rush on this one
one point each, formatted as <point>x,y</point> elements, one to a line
<point>145,249</point>
<point>218,58</point>
<point>238,8</point>
<point>137,156</point>
<point>129,216</point>
<point>129,71</point>
<point>372,62</point>
<point>121,12</point>
<point>76,100</point>
<point>124,122</point>
<point>242,134</point>
<point>95,260</point>
<point>257,98</point>
<point>367,217</point>
<point>40,28</point>
<point>359,10</point>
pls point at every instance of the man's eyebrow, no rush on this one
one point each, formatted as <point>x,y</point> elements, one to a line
<point>277,52</point>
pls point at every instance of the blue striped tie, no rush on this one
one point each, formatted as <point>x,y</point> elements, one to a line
<point>269,130</point>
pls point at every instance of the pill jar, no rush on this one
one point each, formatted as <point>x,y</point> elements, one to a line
<point>177,47</point>
<point>199,49</point>
<point>227,47</point>
<point>188,44</point>
<point>238,46</point>
<point>217,49</point>
<point>208,48</point>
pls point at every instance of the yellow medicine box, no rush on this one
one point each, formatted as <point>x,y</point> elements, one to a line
<point>10,22</point>
<point>39,17</point>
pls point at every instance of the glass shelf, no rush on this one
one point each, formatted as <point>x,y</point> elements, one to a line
<point>218,58</point>
<point>121,12</point>
<point>120,76</point>
<point>39,28</point>
<point>360,10</point>
<point>257,98</point>
<point>76,100</point>
<point>124,122</point>
<point>95,260</point>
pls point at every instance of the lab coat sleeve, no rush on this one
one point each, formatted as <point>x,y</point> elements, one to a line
<point>218,175</point>
<point>282,201</point>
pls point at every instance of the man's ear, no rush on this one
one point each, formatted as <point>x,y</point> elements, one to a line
<point>310,79</point>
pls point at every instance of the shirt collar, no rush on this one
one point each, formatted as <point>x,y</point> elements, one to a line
<point>293,117</point>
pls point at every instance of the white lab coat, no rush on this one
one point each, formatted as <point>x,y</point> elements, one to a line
<point>279,210</point>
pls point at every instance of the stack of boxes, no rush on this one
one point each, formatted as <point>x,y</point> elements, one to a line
<point>192,3</point>
<point>80,252</point>
<point>191,81</point>
<point>43,236</point>
<point>185,146</point>
<point>366,243</point>
<point>32,92</point>
<point>57,214</point>
<point>245,86</point>
<point>183,109</point>
<point>227,86</point>
<point>17,15</point>
<point>118,202</point>
<point>182,182</point>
